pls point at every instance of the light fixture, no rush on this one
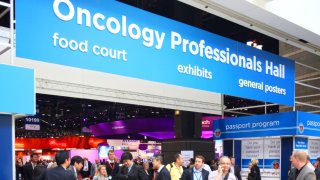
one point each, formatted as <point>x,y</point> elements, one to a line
<point>254,44</point>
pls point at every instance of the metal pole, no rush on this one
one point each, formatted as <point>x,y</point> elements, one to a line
<point>12,63</point>
<point>222,106</point>
<point>265,107</point>
<point>12,31</point>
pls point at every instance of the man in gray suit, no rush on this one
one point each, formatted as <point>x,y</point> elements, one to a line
<point>302,171</point>
<point>75,166</point>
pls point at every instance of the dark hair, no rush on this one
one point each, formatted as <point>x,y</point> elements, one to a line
<point>111,151</point>
<point>76,159</point>
<point>318,159</point>
<point>61,157</point>
<point>176,156</point>
<point>158,157</point>
<point>33,154</point>
<point>126,156</point>
<point>200,157</point>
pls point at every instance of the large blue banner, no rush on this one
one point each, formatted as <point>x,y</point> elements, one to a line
<point>17,92</point>
<point>256,126</point>
<point>308,124</point>
<point>115,38</point>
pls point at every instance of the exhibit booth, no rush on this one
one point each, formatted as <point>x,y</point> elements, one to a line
<point>270,138</point>
<point>109,51</point>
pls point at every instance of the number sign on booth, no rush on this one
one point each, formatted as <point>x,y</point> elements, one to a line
<point>112,37</point>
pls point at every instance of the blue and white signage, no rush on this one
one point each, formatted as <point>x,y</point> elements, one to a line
<point>255,126</point>
<point>17,92</point>
<point>115,38</point>
<point>301,143</point>
<point>308,124</point>
<point>32,123</point>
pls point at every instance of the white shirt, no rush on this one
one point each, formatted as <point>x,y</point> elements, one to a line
<point>75,171</point>
<point>49,165</point>
<point>206,167</point>
<point>232,169</point>
<point>85,166</point>
<point>160,168</point>
<point>214,174</point>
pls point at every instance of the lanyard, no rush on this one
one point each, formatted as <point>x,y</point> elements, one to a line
<point>200,176</point>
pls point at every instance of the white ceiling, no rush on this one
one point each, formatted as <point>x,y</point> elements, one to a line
<point>260,15</point>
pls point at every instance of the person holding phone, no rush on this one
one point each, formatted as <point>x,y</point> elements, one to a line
<point>223,172</point>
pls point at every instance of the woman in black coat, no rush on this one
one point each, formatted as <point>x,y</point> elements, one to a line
<point>254,171</point>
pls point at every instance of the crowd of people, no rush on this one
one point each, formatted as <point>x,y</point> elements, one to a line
<point>75,168</point>
<point>78,168</point>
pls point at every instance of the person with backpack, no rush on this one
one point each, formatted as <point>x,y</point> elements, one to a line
<point>175,168</point>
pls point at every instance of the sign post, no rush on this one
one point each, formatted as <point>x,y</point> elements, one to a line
<point>13,100</point>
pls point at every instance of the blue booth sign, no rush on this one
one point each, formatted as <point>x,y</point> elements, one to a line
<point>112,37</point>
<point>301,143</point>
<point>17,92</point>
<point>280,124</point>
<point>308,124</point>
<point>255,126</point>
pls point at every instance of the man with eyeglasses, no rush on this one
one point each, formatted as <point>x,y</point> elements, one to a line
<point>223,172</point>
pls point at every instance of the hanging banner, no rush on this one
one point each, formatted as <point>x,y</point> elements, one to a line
<point>272,154</point>
<point>314,149</point>
<point>252,148</point>
<point>111,37</point>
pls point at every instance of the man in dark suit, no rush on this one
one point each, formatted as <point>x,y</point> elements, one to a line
<point>161,173</point>
<point>29,168</point>
<point>235,169</point>
<point>111,165</point>
<point>196,173</point>
<point>75,166</point>
<point>129,170</point>
<point>60,172</point>
<point>302,171</point>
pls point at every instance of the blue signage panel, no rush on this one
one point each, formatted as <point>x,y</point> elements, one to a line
<point>112,37</point>
<point>255,126</point>
<point>301,143</point>
<point>308,124</point>
<point>17,92</point>
<point>6,149</point>
<point>271,164</point>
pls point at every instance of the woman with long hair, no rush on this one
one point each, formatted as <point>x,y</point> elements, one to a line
<point>101,173</point>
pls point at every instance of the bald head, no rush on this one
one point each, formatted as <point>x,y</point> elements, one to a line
<point>300,156</point>
<point>299,159</point>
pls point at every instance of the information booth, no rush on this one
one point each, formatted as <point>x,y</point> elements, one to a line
<point>269,138</point>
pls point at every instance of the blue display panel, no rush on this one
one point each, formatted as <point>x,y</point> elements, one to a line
<point>256,126</point>
<point>112,37</point>
<point>17,92</point>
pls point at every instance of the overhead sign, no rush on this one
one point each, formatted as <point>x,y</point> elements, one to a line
<point>17,92</point>
<point>308,124</point>
<point>115,38</point>
<point>280,124</point>
<point>255,126</point>
<point>32,123</point>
